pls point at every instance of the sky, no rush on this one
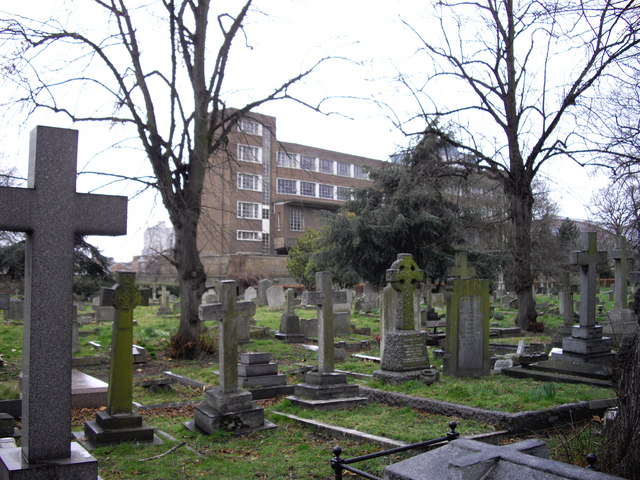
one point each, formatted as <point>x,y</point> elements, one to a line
<point>369,43</point>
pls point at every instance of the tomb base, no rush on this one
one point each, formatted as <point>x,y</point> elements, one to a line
<point>404,350</point>
<point>326,391</point>
<point>396,378</point>
<point>79,466</point>
<point>115,429</point>
<point>290,337</point>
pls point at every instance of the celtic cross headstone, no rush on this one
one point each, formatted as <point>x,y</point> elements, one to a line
<point>405,277</point>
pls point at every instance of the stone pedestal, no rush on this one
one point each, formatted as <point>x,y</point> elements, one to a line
<point>80,465</point>
<point>404,358</point>
<point>257,374</point>
<point>114,429</point>
<point>232,411</point>
<point>326,391</point>
<point>585,345</point>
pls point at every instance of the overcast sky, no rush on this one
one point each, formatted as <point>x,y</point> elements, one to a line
<point>371,45</point>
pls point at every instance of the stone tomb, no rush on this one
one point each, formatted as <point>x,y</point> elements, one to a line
<point>228,407</point>
<point>404,356</point>
<point>290,330</point>
<point>326,389</point>
<point>119,423</point>
<point>472,460</point>
<point>51,212</point>
<point>260,376</point>
<point>467,352</point>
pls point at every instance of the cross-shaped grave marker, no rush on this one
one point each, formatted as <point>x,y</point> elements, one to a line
<point>461,269</point>
<point>323,298</point>
<point>51,213</point>
<point>588,261</point>
<point>405,277</point>
<point>245,311</point>
<point>228,336</point>
<point>619,255</point>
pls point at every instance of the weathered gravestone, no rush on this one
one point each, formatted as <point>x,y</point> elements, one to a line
<point>226,406</point>
<point>369,297</point>
<point>263,286</point>
<point>5,300</point>
<point>244,312</point>
<point>210,296</point>
<point>467,352</point>
<point>325,388</point>
<point>250,294</point>
<point>405,351</point>
<point>16,310</point>
<point>388,305</point>
<point>52,213</point>
<point>342,315</point>
<point>119,423</point>
<point>275,297</point>
<point>165,308</point>
<point>290,330</point>
<point>622,321</point>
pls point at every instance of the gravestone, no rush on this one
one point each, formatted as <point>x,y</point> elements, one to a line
<point>427,292</point>
<point>119,423</point>
<point>15,312</point>
<point>165,308</point>
<point>565,303</point>
<point>369,297</point>
<point>244,312</point>
<point>405,352</point>
<point>290,330</point>
<point>228,407</point>
<point>325,388</point>
<point>275,297</point>
<point>342,315</point>
<point>388,302</point>
<point>105,313</point>
<point>52,213</point>
<point>622,321</point>
<point>467,352</point>
<point>210,296</point>
<point>5,301</point>
<point>263,285</point>
<point>250,294</point>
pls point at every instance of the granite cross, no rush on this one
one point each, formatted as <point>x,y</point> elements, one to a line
<point>588,260</point>
<point>461,269</point>
<point>619,254</point>
<point>323,298</point>
<point>51,213</point>
<point>405,277</point>
<point>228,336</point>
<point>125,297</point>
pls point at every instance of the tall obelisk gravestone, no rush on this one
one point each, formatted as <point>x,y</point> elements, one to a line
<point>51,213</point>
<point>119,423</point>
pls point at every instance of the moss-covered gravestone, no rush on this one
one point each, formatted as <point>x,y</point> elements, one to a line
<point>404,356</point>
<point>119,423</point>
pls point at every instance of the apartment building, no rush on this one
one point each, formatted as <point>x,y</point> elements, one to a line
<point>262,193</point>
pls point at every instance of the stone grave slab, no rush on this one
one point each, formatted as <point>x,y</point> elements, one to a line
<point>275,297</point>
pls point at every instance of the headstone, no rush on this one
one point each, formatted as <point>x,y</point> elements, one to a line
<point>244,312</point>
<point>290,330</point>
<point>105,313</point>
<point>622,321</point>
<point>210,296</point>
<point>16,310</point>
<point>502,363</point>
<point>437,300</point>
<point>388,302</point>
<point>405,352</point>
<point>145,295</point>
<point>620,257</point>
<point>250,294</point>
<point>467,352</point>
<point>5,301</point>
<point>427,292</point>
<point>227,406</point>
<point>325,388</point>
<point>275,297</point>
<point>165,308</point>
<point>309,327</point>
<point>586,344</point>
<point>52,213</point>
<point>342,315</point>
<point>263,286</point>
<point>369,297</point>
<point>505,301</point>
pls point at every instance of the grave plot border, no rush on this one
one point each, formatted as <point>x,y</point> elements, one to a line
<point>514,422</point>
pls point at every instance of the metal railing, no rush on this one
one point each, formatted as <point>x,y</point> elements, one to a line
<point>339,464</point>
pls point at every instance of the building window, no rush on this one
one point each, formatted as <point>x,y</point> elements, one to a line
<point>286,160</point>
<point>247,181</point>
<point>296,220</point>
<point>358,172</point>
<point>248,126</point>
<point>248,210</point>
<point>247,153</point>
<point>308,189</point>
<point>343,193</point>
<point>325,191</point>
<point>287,186</point>
<point>248,235</point>
<point>265,243</point>
<point>343,169</point>
<point>308,163</point>
<point>325,166</point>
<point>265,213</point>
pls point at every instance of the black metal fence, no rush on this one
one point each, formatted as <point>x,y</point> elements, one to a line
<point>339,464</point>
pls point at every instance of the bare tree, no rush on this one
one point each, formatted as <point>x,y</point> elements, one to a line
<point>616,209</point>
<point>167,90</point>
<point>516,71</point>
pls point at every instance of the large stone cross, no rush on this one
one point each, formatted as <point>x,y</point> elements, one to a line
<point>228,336</point>
<point>405,277</point>
<point>588,261</point>
<point>125,297</point>
<point>619,254</point>
<point>51,213</point>
<point>461,269</point>
<point>323,298</point>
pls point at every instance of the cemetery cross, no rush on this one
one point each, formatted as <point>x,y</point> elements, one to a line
<point>228,337</point>
<point>405,277</point>
<point>51,213</point>
<point>588,260</point>
<point>619,254</point>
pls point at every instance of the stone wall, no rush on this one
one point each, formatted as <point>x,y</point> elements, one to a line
<point>247,266</point>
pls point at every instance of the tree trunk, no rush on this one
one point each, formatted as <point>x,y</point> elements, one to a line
<point>186,343</point>
<point>520,205</point>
